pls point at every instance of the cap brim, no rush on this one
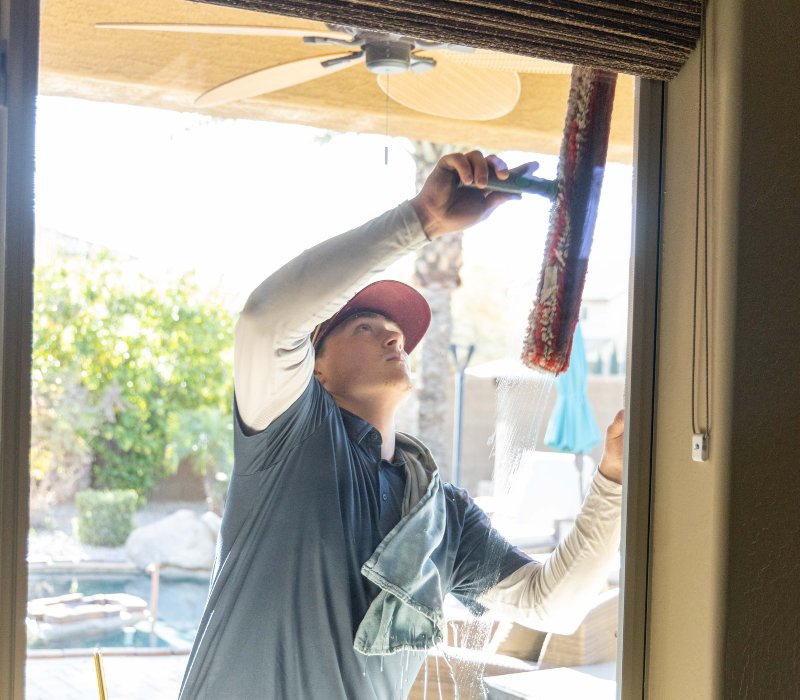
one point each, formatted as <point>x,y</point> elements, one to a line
<point>397,301</point>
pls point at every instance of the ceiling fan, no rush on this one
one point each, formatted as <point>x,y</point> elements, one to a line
<point>445,80</point>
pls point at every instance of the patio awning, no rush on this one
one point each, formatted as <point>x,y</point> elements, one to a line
<point>169,70</point>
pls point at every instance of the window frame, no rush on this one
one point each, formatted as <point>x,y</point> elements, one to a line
<point>635,578</point>
<point>19,44</point>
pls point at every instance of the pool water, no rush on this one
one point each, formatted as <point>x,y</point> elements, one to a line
<point>180,607</point>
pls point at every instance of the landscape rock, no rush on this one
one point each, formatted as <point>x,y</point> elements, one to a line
<point>213,521</point>
<point>181,540</point>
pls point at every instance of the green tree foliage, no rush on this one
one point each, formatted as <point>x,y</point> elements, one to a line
<point>205,437</point>
<point>139,353</point>
<point>64,419</point>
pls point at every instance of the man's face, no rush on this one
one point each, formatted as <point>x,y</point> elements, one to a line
<point>363,358</point>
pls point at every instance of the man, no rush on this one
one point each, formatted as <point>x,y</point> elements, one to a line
<point>339,540</point>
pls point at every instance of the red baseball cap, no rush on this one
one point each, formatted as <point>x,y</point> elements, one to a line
<point>396,301</point>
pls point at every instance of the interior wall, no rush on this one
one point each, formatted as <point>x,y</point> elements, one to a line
<point>723,610</point>
<point>762,611</point>
<point>687,514</point>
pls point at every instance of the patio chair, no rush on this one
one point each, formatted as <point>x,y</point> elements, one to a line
<point>594,642</point>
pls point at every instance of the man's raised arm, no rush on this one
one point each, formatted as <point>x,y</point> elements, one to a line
<point>273,355</point>
<point>556,595</point>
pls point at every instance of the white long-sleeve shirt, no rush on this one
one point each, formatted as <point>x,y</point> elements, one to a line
<point>274,362</point>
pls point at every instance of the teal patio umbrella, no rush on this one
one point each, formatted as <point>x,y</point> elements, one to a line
<point>572,426</point>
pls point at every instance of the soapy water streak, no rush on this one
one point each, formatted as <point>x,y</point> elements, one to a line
<point>521,403</point>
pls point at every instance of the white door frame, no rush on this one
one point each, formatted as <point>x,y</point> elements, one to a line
<point>640,388</point>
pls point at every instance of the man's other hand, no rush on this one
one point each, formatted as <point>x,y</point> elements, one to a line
<point>611,462</point>
<point>444,207</point>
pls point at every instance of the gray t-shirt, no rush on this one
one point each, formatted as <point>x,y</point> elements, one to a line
<point>309,501</point>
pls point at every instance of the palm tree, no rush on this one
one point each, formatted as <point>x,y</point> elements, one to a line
<point>437,273</point>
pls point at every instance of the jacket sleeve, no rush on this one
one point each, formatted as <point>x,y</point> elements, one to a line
<point>555,596</point>
<point>273,355</point>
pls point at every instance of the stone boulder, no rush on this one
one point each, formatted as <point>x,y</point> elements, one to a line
<point>181,540</point>
<point>213,522</point>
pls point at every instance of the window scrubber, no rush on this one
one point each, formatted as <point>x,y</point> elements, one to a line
<point>551,324</point>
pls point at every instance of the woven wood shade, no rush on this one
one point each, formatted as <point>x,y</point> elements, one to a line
<point>649,38</point>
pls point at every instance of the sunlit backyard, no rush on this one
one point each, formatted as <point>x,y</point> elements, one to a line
<point>154,222</point>
<point>134,310</point>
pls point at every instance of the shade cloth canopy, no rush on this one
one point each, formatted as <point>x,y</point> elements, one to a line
<point>572,426</point>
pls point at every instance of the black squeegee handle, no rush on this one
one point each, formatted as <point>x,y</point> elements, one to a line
<point>521,181</point>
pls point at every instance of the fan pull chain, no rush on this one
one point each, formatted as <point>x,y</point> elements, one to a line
<point>701,422</point>
<point>386,147</point>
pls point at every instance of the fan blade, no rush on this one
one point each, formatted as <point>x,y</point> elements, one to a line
<point>275,78</point>
<point>455,91</point>
<point>495,60</point>
<point>240,29</point>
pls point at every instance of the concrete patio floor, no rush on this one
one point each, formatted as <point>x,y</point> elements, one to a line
<point>137,677</point>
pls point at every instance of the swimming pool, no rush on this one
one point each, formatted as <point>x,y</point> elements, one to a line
<point>180,606</point>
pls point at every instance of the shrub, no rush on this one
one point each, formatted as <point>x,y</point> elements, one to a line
<point>132,352</point>
<point>105,518</point>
